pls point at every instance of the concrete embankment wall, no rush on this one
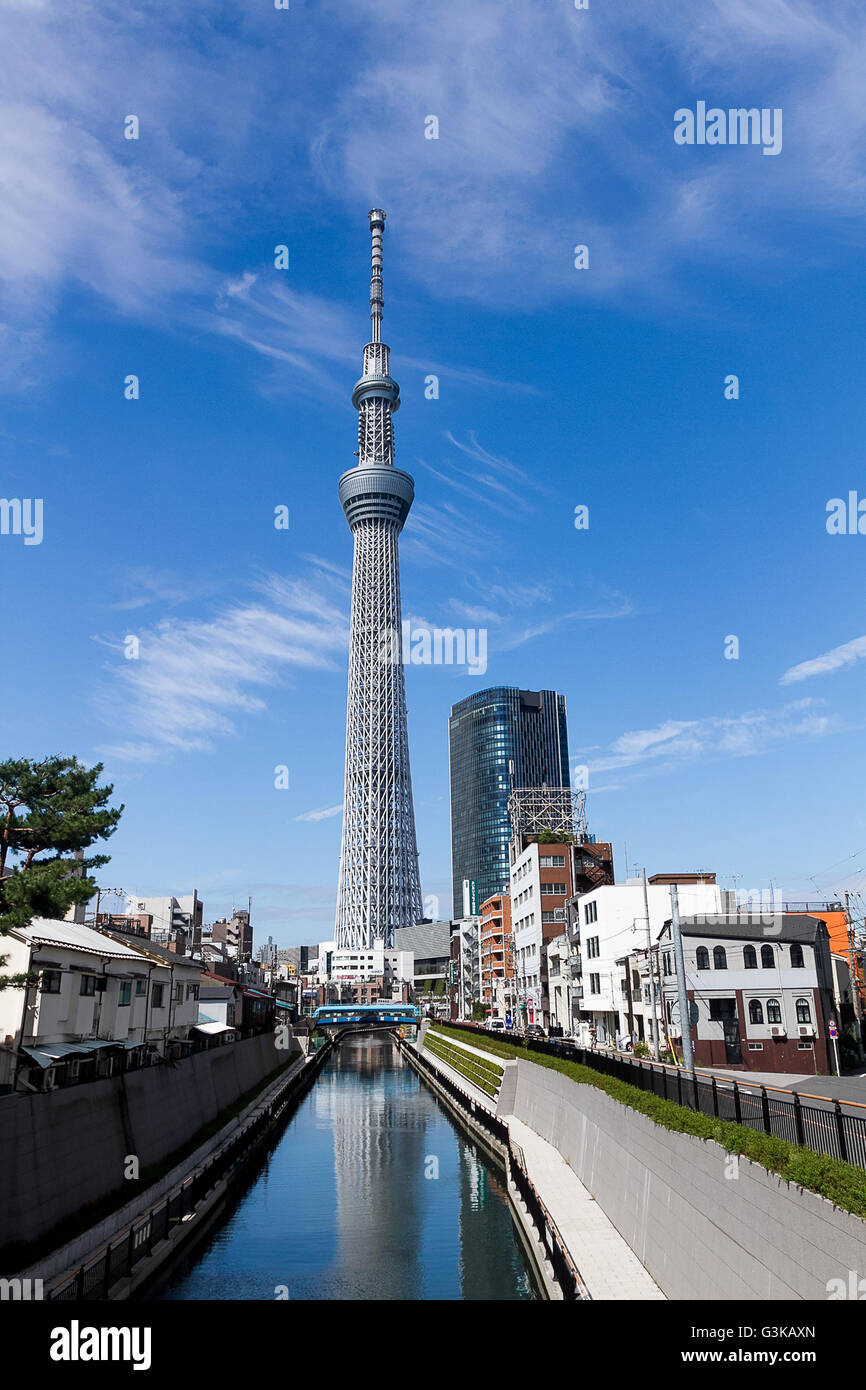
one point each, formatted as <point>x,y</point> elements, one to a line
<point>65,1149</point>
<point>704,1225</point>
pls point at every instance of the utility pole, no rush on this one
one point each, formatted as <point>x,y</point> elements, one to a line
<point>654,1027</point>
<point>855,986</point>
<point>685,1023</point>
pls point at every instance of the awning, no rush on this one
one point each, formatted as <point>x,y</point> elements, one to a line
<point>49,1053</point>
<point>52,1052</point>
<point>212,1028</point>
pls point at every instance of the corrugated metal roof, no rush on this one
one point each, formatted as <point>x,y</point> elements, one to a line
<point>76,937</point>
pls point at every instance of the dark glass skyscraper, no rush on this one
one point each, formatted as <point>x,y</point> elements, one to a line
<point>486,732</point>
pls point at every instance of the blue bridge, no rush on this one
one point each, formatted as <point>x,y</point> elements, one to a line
<point>357,1016</point>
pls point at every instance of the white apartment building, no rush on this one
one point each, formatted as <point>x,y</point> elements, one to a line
<point>170,915</point>
<point>541,883</point>
<point>345,965</point>
<point>609,923</point>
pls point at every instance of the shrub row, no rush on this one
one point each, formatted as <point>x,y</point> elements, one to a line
<point>486,1075</point>
<point>842,1183</point>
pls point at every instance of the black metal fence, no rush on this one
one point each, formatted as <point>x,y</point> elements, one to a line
<point>94,1279</point>
<point>824,1125</point>
<point>564,1269</point>
<point>563,1266</point>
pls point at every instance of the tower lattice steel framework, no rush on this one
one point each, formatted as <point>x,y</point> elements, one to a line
<point>379,886</point>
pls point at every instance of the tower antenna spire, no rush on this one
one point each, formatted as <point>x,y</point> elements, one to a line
<point>377,227</point>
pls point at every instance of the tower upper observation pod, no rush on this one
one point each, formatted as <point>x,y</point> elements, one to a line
<point>375,487</point>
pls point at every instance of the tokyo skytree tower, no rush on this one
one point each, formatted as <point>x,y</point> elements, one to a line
<point>379,886</point>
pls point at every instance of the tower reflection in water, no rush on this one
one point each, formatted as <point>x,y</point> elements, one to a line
<point>372,1193</point>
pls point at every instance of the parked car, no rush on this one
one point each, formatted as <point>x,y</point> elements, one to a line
<point>497,1025</point>
<point>535,1030</point>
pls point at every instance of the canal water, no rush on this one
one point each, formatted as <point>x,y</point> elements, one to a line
<point>372,1192</point>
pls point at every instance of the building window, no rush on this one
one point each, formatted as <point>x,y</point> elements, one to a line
<point>803,1013</point>
<point>140,985</point>
<point>125,996</point>
<point>178,993</point>
<point>88,984</point>
<point>702,958</point>
<point>723,1008</point>
<point>595,984</point>
<point>50,982</point>
<point>558,889</point>
<point>756,1011</point>
<point>590,913</point>
<point>750,958</point>
<point>158,996</point>
<point>756,1047</point>
<point>720,959</point>
<point>592,949</point>
<point>192,991</point>
<point>768,960</point>
<point>552,861</point>
<point>774,1011</point>
<point>804,1047</point>
<point>797,957</point>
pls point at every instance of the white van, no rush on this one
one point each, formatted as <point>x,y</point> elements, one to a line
<point>497,1025</point>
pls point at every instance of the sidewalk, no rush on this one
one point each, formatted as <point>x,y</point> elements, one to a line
<point>850,1088</point>
<point>607,1264</point>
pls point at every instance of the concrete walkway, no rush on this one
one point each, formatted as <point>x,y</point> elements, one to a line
<point>607,1264</point>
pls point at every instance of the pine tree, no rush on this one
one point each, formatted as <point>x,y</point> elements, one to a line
<point>48,811</point>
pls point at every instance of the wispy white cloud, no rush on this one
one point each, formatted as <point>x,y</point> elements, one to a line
<point>146,586</point>
<point>485,212</point>
<point>836,659</point>
<point>676,742</point>
<point>193,680</point>
<point>618,606</point>
<point>325,814</point>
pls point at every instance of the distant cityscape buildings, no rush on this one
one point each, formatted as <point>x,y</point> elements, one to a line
<point>498,739</point>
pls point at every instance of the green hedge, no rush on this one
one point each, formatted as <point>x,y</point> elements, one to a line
<point>841,1183</point>
<point>486,1075</point>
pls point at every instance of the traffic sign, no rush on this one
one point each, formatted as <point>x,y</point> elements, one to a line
<point>832,1029</point>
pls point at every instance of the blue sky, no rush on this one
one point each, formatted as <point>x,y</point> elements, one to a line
<point>558,387</point>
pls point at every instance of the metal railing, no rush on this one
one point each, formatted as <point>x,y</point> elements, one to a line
<point>825,1127</point>
<point>95,1278</point>
<point>564,1269</point>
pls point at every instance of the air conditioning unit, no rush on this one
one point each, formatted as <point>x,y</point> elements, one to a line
<point>559,914</point>
<point>806,1030</point>
<point>777,1032</point>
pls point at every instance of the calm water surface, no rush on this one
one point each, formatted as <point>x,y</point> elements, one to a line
<point>342,1209</point>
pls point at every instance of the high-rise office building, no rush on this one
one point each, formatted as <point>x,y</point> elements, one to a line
<point>498,738</point>
<point>379,887</point>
